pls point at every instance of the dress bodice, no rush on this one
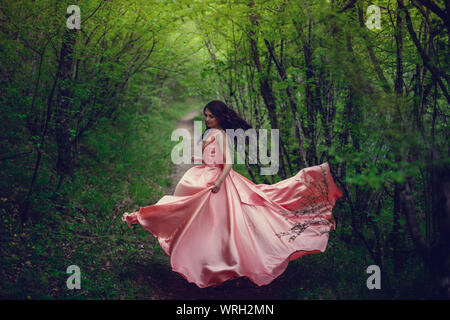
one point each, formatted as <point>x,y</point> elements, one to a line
<point>212,150</point>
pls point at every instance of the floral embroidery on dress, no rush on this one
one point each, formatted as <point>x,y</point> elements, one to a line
<point>314,209</point>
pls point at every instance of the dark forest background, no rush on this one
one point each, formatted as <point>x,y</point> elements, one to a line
<point>87,116</point>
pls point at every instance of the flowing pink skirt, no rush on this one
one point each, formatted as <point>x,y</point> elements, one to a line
<point>244,229</point>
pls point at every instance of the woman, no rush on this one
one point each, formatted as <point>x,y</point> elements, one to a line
<point>218,225</point>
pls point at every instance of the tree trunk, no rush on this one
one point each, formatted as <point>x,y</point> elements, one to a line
<point>265,88</point>
<point>398,87</point>
<point>63,130</point>
<point>293,105</point>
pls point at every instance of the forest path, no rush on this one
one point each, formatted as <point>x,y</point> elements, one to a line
<point>166,284</point>
<point>179,170</point>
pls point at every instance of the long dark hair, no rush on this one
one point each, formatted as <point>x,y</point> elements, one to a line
<point>227,117</point>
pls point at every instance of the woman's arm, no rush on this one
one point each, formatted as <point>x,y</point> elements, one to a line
<point>225,172</point>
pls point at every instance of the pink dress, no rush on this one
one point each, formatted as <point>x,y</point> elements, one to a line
<point>244,229</point>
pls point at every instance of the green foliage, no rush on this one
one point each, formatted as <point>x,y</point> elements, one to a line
<point>134,61</point>
<point>119,172</point>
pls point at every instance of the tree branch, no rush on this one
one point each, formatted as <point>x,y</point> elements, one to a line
<point>438,74</point>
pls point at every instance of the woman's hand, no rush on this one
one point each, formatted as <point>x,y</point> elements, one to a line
<point>124,219</point>
<point>216,186</point>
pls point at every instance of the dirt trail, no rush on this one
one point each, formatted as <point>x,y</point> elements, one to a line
<point>167,284</point>
<point>178,171</point>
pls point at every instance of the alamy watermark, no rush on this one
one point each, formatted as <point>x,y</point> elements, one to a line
<point>74,20</point>
<point>374,281</point>
<point>74,281</point>
<point>257,147</point>
<point>373,17</point>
